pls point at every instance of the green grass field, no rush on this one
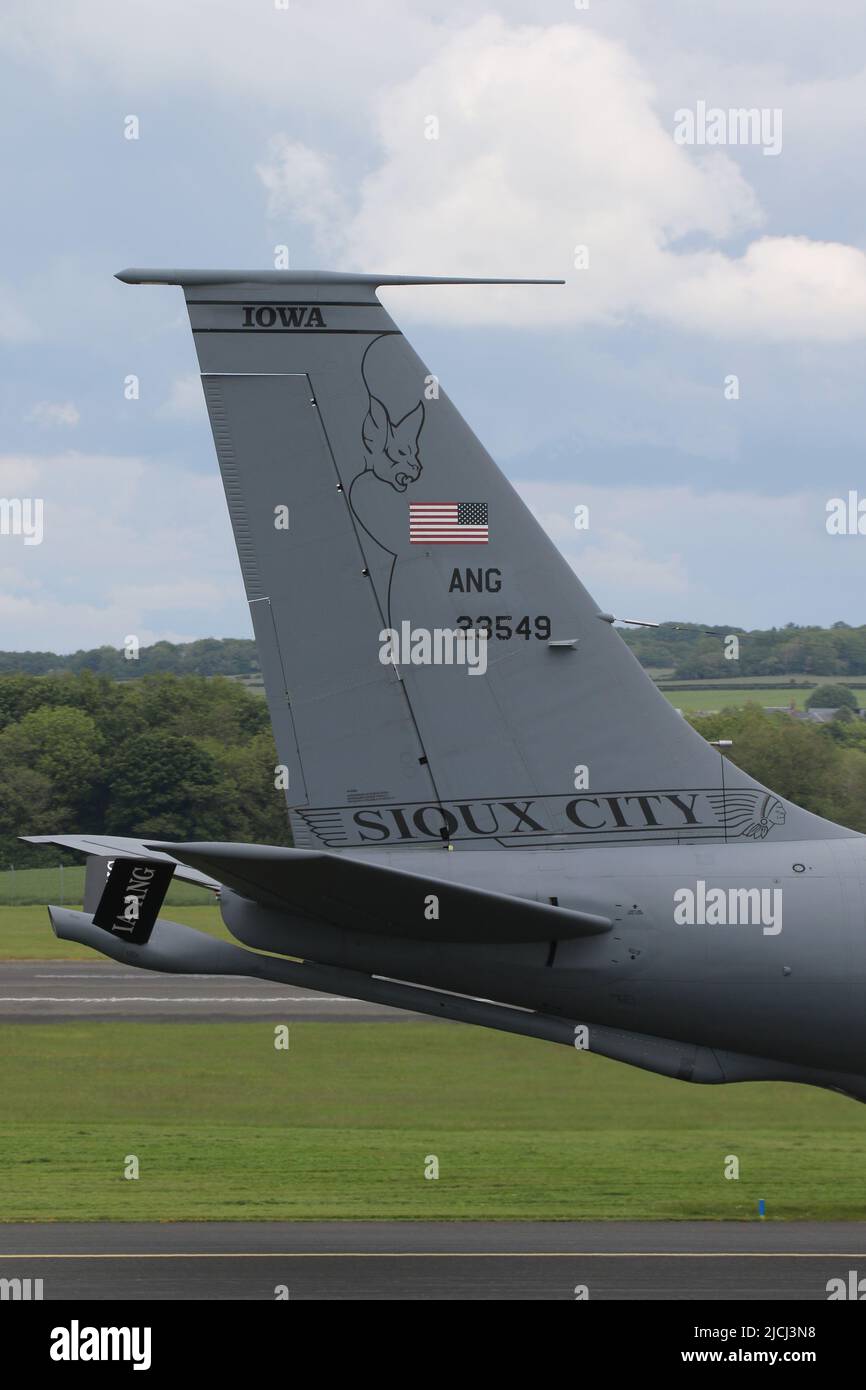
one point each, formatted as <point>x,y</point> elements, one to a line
<point>25,932</point>
<point>23,887</point>
<point>340,1126</point>
<point>698,698</point>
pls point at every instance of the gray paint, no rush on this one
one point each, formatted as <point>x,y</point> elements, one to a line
<point>555,898</point>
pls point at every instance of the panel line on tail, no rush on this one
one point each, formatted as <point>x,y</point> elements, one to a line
<point>385,619</point>
<point>232,483</point>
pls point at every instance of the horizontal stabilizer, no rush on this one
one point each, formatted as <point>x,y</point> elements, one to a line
<point>136,276</point>
<point>127,846</point>
<point>371,897</point>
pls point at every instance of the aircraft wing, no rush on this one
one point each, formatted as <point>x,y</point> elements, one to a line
<point>127,846</point>
<point>371,897</point>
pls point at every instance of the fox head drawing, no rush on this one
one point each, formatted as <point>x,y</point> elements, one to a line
<point>393,448</point>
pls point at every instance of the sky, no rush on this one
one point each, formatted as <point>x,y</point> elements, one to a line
<point>697,382</point>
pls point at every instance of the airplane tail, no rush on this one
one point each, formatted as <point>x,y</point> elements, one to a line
<point>435,671</point>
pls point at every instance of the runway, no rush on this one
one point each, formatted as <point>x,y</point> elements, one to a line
<point>377,1261</point>
<point>487,1261</point>
<point>57,991</point>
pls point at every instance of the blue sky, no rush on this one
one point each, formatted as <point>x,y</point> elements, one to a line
<point>306,127</point>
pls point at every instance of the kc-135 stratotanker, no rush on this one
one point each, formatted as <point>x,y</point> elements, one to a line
<point>533,840</point>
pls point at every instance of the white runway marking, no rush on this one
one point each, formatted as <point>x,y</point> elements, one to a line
<point>450,1255</point>
<point>171,999</point>
<point>103,975</point>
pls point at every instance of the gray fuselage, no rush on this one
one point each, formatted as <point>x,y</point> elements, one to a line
<point>792,988</point>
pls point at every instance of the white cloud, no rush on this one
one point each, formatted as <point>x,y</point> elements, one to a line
<point>782,288</point>
<point>19,476</point>
<point>64,413</point>
<point>301,182</point>
<point>49,625</point>
<point>303,52</point>
<point>131,545</point>
<point>551,138</point>
<point>185,399</point>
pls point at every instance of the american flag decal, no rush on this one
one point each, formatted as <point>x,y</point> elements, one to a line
<point>448,523</point>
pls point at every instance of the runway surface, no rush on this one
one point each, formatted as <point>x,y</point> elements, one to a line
<point>376,1260</point>
<point>57,991</point>
<point>443,1261</point>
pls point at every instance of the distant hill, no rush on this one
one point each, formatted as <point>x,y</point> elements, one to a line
<point>683,651</point>
<point>210,656</point>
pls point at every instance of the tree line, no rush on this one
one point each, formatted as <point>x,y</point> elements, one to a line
<point>691,651</point>
<point>172,757</point>
<point>209,656</point>
<point>821,767</point>
<point>185,757</point>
